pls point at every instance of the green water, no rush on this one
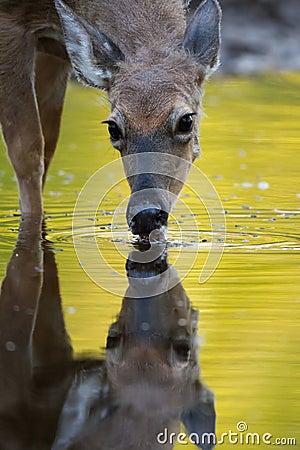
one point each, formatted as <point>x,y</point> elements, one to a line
<point>250,308</point>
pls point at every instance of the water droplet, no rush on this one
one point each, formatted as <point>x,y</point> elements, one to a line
<point>10,346</point>
<point>71,310</point>
<point>247,185</point>
<point>263,185</point>
<point>145,326</point>
<point>182,322</point>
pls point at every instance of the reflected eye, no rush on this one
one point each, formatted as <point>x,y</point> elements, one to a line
<point>114,130</point>
<point>112,342</point>
<point>185,124</point>
<point>182,350</point>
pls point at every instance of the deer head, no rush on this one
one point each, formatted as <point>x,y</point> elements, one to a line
<point>154,85</point>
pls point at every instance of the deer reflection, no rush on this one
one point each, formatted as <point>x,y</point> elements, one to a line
<point>152,361</point>
<point>34,347</point>
<point>134,398</point>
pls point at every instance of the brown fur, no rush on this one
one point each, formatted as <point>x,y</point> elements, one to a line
<point>154,86</point>
<point>156,80</point>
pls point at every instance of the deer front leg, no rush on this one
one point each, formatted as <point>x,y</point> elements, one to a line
<point>20,118</point>
<point>24,142</point>
<point>51,76</point>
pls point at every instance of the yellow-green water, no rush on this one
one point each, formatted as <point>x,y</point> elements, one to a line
<point>250,308</point>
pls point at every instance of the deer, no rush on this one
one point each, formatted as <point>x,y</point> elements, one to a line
<point>150,381</point>
<point>148,56</point>
<point>133,395</point>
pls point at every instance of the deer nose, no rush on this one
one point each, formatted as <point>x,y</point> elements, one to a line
<point>148,220</point>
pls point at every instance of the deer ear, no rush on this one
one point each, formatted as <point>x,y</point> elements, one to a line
<point>200,420</point>
<point>93,55</point>
<point>202,37</point>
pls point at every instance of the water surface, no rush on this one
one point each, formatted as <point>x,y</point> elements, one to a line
<point>249,309</point>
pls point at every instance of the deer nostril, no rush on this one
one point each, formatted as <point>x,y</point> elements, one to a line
<point>148,220</point>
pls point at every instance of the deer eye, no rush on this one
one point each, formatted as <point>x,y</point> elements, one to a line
<point>114,130</point>
<point>185,124</point>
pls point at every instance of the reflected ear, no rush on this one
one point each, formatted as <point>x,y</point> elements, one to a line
<point>93,55</point>
<point>87,404</point>
<point>200,420</point>
<point>202,37</point>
